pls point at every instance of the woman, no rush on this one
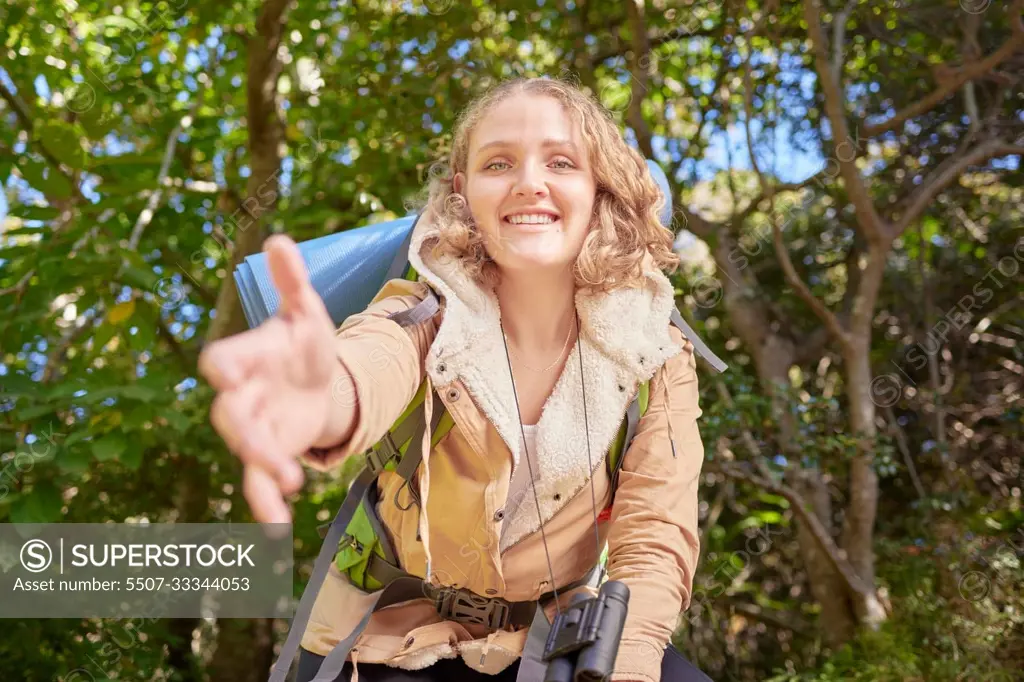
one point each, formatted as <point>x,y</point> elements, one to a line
<point>543,243</point>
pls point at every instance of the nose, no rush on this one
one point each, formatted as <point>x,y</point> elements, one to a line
<point>530,181</point>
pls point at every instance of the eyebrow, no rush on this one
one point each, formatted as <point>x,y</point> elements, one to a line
<point>548,142</point>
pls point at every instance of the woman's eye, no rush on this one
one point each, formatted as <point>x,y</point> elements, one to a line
<point>568,164</point>
<point>491,166</point>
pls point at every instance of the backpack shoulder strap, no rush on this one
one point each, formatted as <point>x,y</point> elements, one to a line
<point>698,345</point>
<point>637,408</point>
<point>421,312</point>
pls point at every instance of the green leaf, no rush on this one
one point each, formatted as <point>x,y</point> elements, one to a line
<point>769,517</point>
<point>104,333</point>
<point>109,447</point>
<point>64,141</point>
<point>15,385</point>
<point>137,417</point>
<point>35,411</point>
<point>115,21</point>
<point>46,179</point>
<point>778,500</point>
<point>41,505</point>
<point>35,213</point>
<point>75,437</point>
<point>95,395</point>
<point>177,420</point>
<point>81,98</point>
<point>74,460</point>
<point>132,457</point>
<point>141,279</point>
<point>6,166</point>
<point>139,392</point>
<point>144,336</point>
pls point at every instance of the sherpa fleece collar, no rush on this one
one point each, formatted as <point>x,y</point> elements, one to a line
<point>624,336</point>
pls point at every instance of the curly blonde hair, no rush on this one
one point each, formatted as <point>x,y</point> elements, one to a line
<point>627,202</point>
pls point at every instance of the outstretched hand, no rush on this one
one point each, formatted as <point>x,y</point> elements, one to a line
<point>273,386</point>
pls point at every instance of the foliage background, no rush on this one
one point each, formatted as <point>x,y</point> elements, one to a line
<point>848,185</point>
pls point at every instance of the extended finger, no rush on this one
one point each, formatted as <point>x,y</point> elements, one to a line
<point>289,275</point>
<point>264,497</point>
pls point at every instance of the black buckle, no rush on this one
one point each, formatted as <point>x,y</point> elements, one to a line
<point>468,607</point>
<point>574,628</point>
<point>381,453</point>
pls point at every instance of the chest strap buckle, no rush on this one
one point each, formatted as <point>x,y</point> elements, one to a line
<point>465,606</point>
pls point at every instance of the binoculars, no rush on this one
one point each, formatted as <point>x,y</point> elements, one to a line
<point>584,639</point>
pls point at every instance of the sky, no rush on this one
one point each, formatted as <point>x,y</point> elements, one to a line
<point>791,165</point>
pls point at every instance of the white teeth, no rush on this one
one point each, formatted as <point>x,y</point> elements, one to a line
<point>531,219</point>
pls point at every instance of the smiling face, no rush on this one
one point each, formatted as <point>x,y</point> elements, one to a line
<point>529,184</point>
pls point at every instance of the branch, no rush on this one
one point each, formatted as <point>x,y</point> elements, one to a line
<point>854,275</point>
<point>265,137</point>
<point>187,361</point>
<point>580,27</point>
<point>72,335</point>
<point>901,443</point>
<point>19,288</point>
<point>22,113</point>
<point>867,217</point>
<point>841,565</point>
<point>748,114</point>
<point>770,190</point>
<point>775,618</point>
<point>194,186</point>
<point>161,179</point>
<point>698,144</point>
<point>695,223</point>
<point>948,171</point>
<point>640,71</point>
<point>657,40</point>
<point>839,41</point>
<point>832,322</point>
<point>748,93</point>
<point>958,77</point>
<point>745,433</point>
<point>810,347</point>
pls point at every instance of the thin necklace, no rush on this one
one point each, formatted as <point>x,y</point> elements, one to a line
<point>539,371</point>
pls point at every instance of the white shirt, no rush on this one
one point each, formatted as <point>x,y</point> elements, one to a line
<point>520,492</point>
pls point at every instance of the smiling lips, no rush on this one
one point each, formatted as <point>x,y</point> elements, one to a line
<point>538,219</point>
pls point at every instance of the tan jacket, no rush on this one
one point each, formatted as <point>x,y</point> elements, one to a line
<point>652,538</point>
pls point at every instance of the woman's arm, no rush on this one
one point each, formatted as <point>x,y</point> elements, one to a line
<point>653,542</point>
<point>382,366</point>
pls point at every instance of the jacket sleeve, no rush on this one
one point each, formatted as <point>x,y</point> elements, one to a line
<point>387,365</point>
<point>653,544</point>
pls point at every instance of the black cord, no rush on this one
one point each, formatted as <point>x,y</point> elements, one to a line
<point>529,466</point>
<point>590,463</point>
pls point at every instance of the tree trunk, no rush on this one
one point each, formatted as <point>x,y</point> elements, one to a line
<point>859,519</point>
<point>837,619</point>
<point>858,530</point>
<point>180,658</point>
<point>245,650</point>
<point>192,504</point>
<point>773,355</point>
